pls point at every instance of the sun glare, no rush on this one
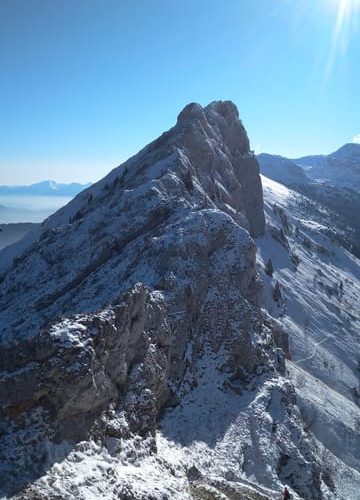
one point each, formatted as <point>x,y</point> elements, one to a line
<point>346,14</point>
<point>346,24</point>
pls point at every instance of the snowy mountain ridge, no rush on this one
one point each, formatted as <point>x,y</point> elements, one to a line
<point>341,168</point>
<point>148,351</point>
<point>282,170</point>
<point>332,180</point>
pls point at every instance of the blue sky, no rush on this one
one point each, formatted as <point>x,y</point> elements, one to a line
<point>84,84</point>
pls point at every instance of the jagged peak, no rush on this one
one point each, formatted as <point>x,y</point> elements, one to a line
<point>218,120</point>
<point>191,112</point>
<point>226,109</point>
<point>215,111</point>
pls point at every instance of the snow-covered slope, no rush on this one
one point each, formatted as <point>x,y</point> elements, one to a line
<point>332,180</point>
<point>140,355</point>
<point>108,317</point>
<point>282,170</point>
<point>319,308</point>
<point>322,281</point>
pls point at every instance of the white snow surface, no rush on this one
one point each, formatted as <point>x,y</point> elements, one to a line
<point>320,311</point>
<point>222,433</point>
<point>228,433</point>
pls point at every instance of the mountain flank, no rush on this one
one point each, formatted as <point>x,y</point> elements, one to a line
<point>144,349</point>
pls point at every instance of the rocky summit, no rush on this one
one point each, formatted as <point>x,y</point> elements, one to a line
<point>136,359</point>
<point>155,256</point>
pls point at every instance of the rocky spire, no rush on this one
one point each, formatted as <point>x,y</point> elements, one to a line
<point>203,162</point>
<point>131,291</point>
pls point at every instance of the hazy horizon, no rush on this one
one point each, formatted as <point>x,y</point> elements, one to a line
<point>85,85</point>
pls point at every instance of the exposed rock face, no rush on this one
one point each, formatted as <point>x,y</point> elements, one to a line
<point>115,360</point>
<point>80,365</point>
<point>223,163</point>
<point>106,318</point>
<point>129,359</point>
<point>203,163</point>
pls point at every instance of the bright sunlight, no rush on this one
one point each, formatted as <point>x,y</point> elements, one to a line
<point>346,26</point>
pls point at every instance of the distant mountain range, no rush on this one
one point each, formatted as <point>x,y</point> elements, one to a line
<point>44,188</point>
<point>282,170</point>
<point>332,180</point>
<point>339,169</point>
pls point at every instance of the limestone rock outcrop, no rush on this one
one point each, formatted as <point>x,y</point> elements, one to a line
<point>127,290</point>
<point>203,163</point>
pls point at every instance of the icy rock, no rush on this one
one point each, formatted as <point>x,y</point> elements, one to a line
<point>193,474</point>
<point>97,317</point>
<point>281,337</point>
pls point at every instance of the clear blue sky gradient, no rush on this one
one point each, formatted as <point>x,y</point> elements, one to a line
<point>84,84</point>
